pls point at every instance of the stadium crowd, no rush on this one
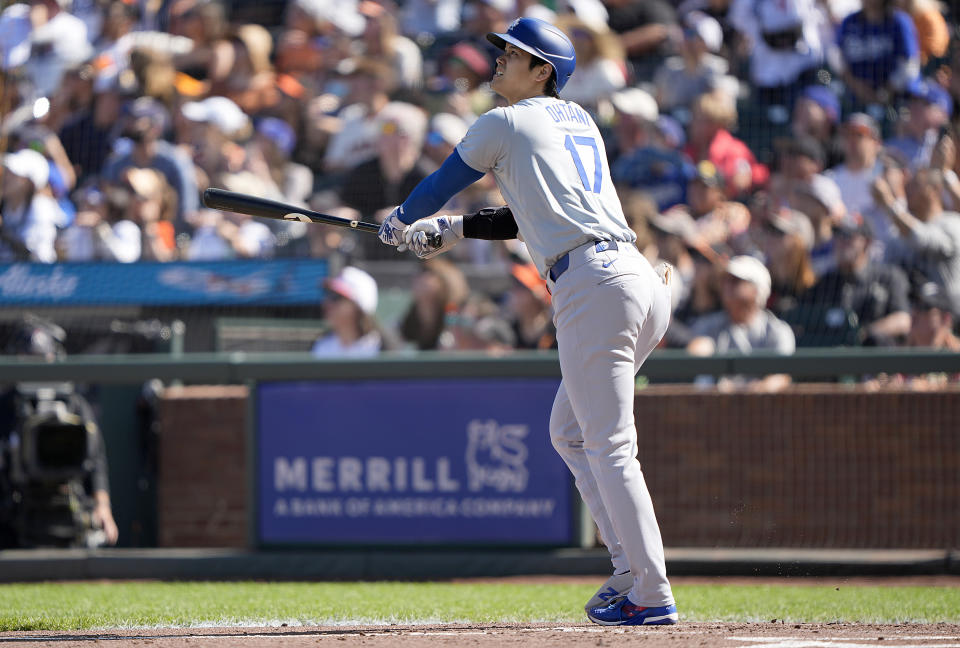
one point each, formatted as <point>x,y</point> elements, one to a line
<point>795,160</point>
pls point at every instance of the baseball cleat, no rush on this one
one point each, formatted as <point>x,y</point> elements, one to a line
<point>616,586</point>
<point>623,612</point>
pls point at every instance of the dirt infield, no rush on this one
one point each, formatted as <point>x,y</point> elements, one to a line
<point>727,635</point>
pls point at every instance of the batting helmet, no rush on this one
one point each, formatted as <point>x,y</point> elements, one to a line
<point>542,40</point>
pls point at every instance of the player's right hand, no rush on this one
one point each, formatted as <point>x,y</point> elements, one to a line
<point>417,236</point>
<point>391,231</point>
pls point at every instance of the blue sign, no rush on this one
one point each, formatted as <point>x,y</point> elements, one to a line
<point>275,282</point>
<point>413,461</point>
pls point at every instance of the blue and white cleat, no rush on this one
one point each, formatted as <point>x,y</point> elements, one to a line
<point>623,612</point>
<point>617,586</point>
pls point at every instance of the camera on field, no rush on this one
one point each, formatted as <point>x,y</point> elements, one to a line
<point>51,456</point>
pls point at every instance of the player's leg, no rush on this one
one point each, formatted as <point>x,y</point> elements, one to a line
<point>568,441</point>
<point>604,317</point>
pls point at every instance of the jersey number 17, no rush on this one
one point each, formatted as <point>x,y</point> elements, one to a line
<point>571,142</point>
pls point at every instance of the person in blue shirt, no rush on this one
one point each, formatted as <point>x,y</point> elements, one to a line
<point>880,52</point>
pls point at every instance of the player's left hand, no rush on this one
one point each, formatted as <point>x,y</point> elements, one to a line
<point>391,231</point>
<point>418,236</point>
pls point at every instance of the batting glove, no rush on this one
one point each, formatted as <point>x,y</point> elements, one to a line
<point>418,236</point>
<point>391,231</point>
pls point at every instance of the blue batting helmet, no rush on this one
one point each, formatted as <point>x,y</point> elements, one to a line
<point>542,40</point>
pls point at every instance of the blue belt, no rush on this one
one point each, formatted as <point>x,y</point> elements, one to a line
<point>563,262</point>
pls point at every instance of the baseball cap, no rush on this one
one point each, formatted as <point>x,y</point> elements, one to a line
<point>357,286</point>
<point>747,268</point>
<point>791,221</point>
<point>218,111</point>
<point>676,222</point>
<point>149,108</point>
<point>145,182</point>
<point>931,92</point>
<point>824,97</point>
<point>636,103</point>
<point>806,146</point>
<point>930,295</point>
<point>279,132</point>
<point>863,124</point>
<point>853,226</point>
<point>706,28</point>
<point>342,14</point>
<point>708,173</point>
<point>471,56</point>
<point>446,128</point>
<point>529,277</point>
<point>28,164</point>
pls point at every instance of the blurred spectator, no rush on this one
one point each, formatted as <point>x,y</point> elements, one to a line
<point>871,296</point>
<point>62,179</point>
<point>241,69</point>
<point>815,205</point>
<point>933,33</point>
<point>438,289</point>
<point>642,158</point>
<point>349,308</point>
<point>862,164</point>
<point>215,125</point>
<point>89,133</point>
<point>879,54</point>
<point>932,320</point>
<point>355,130</point>
<point>929,108</point>
<point>785,50</point>
<point>153,209</point>
<point>29,216</point>
<point>269,154</point>
<point>787,241</point>
<point>205,23</point>
<point>744,325</point>
<point>719,221</point>
<point>459,85</point>
<point>423,20</point>
<point>219,235</point>
<point>714,114</point>
<point>601,63</point>
<point>816,113</point>
<point>801,164</point>
<point>528,304</point>
<point>143,126</point>
<point>698,69</point>
<point>132,222</point>
<point>384,181</point>
<point>44,38</point>
<point>478,326</point>
<point>381,40</point>
<point>930,236</point>
<point>646,30</point>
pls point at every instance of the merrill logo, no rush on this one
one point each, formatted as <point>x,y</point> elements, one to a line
<point>18,282</point>
<point>496,456</point>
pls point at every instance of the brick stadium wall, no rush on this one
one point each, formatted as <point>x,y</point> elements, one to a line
<point>202,484</point>
<point>820,466</point>
<point>817,467</point>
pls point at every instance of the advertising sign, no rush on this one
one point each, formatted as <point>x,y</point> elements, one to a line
<point>275,282</point>
<point>412,461</point>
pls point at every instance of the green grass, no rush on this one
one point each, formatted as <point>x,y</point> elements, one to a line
<point>74,606</point>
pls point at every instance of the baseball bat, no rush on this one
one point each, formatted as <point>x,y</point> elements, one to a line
<point>242,203</point>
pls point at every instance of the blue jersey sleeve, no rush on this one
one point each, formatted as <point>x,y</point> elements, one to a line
<point>437,188</point>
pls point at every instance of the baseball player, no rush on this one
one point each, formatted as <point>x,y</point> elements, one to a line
<point>610,307</point>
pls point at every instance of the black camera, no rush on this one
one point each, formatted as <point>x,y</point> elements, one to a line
<point>51,453</point>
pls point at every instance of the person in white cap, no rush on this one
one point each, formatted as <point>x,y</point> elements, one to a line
<point>29,217</point>
<point>349,308</point>
<point>697,69</point>
<point>745,325</point>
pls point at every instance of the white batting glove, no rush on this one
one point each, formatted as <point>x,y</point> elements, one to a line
<point>418,236</point>
<point>391,231</point>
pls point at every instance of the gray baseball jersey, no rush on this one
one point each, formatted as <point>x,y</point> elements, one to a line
<point>550,164</point>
